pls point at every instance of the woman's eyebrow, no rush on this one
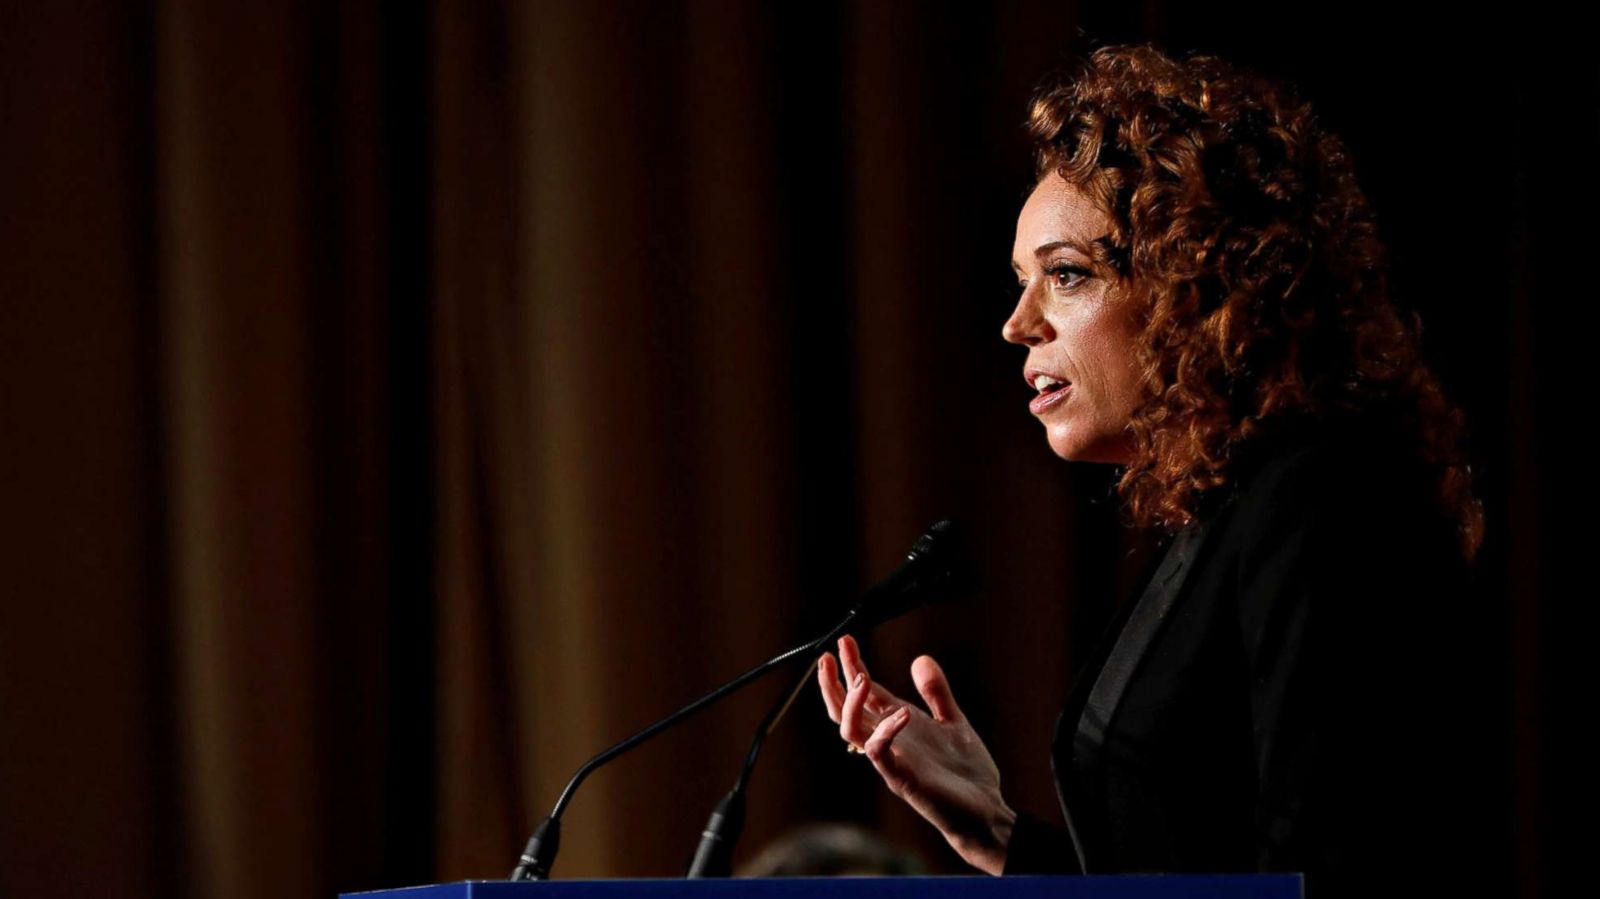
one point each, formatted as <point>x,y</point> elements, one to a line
<point>1067,242</point>
<point>1043,250</point>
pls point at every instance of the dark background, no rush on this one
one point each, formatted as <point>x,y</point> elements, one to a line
<point>401,402</point>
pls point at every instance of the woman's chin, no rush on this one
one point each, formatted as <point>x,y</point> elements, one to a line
<point>1072,452</point>
<point>1072,449</point>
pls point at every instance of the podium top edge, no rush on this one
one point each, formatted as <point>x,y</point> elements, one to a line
<point>979,886</point>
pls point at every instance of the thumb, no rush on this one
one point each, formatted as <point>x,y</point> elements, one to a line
<point>935,690</point>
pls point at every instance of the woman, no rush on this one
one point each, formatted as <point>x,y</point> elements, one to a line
<point>1203,303</point>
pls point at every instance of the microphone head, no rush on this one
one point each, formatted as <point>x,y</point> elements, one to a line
<point>938,568</point>
<point>944,536</point>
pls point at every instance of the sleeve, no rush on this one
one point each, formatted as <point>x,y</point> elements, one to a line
<point>1038,847</point>
<point>1341,570</point>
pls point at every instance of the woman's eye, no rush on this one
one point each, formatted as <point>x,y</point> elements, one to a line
<point>1067,277</point>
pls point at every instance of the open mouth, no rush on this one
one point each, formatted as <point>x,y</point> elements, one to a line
<point>1047,383</point>
<point>1051,391</point>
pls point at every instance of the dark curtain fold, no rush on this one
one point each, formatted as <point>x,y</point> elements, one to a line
<point>401,404</point>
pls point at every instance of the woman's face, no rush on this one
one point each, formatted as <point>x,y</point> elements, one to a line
<point>1080,328</point>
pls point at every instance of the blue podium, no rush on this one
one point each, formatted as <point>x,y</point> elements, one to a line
<point>1153,886</point>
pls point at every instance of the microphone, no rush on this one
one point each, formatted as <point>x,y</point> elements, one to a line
<point>714,856</point>
<point>937,568</point>
<point>934,569</point>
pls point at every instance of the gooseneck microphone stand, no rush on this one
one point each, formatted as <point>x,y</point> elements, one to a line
<point>714,856</point>
<point>542,847</point>
<point>933,565</point>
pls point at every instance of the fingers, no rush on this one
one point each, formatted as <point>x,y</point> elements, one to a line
<point>935,689</point>
<point>850,658</point>
<point>880,701</point>
<point>853,715</point>
<point>832,689</point>
<point>882,740</point>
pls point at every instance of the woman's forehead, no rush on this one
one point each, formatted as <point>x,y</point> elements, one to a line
<point>1058,213</point>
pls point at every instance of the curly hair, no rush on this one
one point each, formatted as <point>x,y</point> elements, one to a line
<point>1237,220</point>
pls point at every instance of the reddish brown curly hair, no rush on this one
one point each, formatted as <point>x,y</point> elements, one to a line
<point>1238,221</point>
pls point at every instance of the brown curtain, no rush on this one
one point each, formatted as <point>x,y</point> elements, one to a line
<point>651,379</point>
<point>400,405</point>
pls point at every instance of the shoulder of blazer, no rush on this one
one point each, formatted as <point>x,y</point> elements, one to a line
<point>1335,464</point>
<point>1329,467</point>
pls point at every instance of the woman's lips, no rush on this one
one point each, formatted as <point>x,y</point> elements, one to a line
<point>1048,399</point>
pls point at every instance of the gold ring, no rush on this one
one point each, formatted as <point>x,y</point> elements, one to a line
<point>853,749</point>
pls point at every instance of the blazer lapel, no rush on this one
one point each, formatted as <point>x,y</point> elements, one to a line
<point>1089,715</point>
<point>1138,633</point>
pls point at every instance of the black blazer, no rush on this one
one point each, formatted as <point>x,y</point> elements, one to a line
<point>1294,691</point>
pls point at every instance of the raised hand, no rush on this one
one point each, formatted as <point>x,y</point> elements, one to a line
<point>933,760</point>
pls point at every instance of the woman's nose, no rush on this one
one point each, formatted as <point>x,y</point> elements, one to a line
<point>1026,326</point>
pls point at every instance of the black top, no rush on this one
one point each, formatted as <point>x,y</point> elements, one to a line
<point>1306,702</point>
